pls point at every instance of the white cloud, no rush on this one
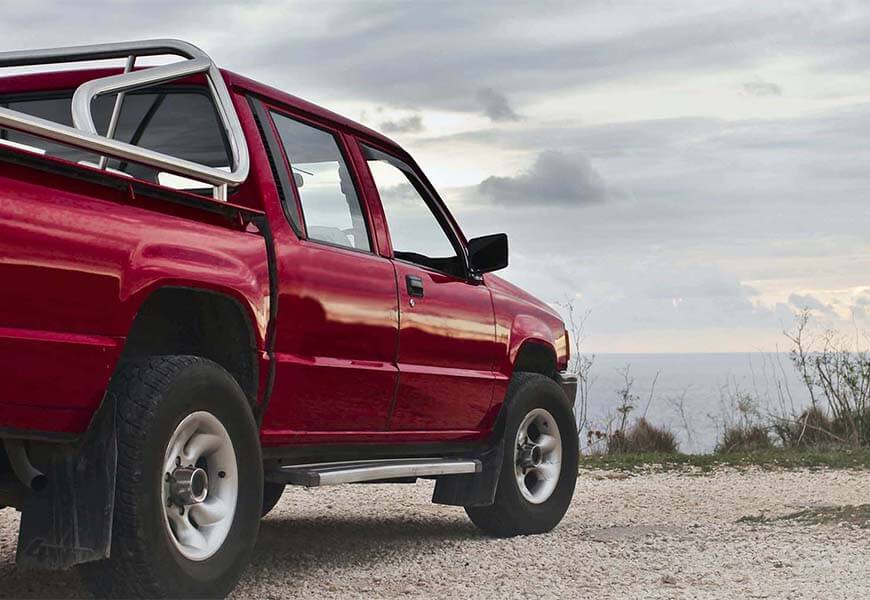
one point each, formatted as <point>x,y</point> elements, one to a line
<point>687,169</point>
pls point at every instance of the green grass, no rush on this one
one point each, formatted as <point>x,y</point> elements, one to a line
<point>766,459</point>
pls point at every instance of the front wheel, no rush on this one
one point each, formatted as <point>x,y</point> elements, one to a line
<point>189,482</point>
<point>541,456</point>
<point>272,493</point>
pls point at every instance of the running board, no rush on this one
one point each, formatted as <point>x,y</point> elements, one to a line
<point>314,475</point>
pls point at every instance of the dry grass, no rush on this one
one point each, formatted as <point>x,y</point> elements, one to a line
<point>750,438</point>
<point>773,459</point>
<point>642,437</point>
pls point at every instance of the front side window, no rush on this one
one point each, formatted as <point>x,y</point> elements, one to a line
<point>417,235</point>
<point>330,206</point>
<point>175,122</point>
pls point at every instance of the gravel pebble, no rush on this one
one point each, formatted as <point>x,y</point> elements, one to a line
<point>658,535</point>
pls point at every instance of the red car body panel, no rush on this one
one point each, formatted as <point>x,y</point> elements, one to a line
<point>77,261</point>
<point>354,361</point>
<point>446,353</point>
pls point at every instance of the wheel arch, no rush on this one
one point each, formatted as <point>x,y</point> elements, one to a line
<point>530,349</point>
<point>531,346</point>
<point>206,322</point>
<point>535,355</point>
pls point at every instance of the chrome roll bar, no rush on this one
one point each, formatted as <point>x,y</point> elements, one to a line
<point>84,134</point>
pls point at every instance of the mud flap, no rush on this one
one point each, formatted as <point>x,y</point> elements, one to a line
<point>477,489</point>
<point>69,522</point>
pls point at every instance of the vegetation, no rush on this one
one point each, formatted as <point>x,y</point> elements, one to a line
<point>751,438</point>
<point>837,379</point>
<point>621,435</point>
<point>833,431</point>
<point>776,458</point>
<point>579,363</point>
<point>743,429</point>
<point>642,437</point>
<point>837,376</point>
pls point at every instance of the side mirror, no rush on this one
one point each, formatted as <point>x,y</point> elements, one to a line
<point>488,253</point>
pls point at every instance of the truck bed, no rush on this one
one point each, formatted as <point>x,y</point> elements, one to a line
<point>80,251</point>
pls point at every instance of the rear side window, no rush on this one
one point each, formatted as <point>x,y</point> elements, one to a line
<point>181,123</point>
<point>330,205</point>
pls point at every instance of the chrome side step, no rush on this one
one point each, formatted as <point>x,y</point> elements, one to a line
<point>318,474</point>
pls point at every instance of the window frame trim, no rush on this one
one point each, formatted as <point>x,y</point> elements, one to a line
<point>432,202</point>
<point>274,150</point>
<point>341,145</point>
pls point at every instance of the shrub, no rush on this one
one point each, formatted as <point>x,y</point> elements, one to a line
<point>642,437</point>
<point>749,438</point>
<point>812,429</point>
<point>852,427</point>
<point>837,376</point>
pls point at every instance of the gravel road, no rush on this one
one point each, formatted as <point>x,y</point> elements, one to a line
<point>660,535</point>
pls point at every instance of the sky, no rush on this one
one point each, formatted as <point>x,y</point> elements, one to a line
<point>689,173</point>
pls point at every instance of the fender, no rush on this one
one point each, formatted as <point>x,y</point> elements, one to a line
<point>525,331</point>
<point>479,489</point>
<point>198,269</point>
<point>528,329</point>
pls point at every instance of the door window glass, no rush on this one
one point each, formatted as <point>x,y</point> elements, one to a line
<point>330,206</point>
<point>417,235</point>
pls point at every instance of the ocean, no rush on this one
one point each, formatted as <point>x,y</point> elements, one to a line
<point>706,385</point>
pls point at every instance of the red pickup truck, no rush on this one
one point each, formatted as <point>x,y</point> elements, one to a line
<point>209,290</point>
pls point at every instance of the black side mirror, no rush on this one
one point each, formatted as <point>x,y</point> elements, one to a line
<point>488,253</point>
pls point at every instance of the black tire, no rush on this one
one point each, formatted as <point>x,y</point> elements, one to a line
<point>272,493</point>
<point>512,514</point>
<point>152,397</point>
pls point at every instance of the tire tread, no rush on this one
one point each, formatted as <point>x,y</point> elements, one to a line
<point>136,389</point>
<point>510,516</point>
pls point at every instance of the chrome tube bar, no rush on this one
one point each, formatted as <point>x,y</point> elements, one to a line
<point>84,134</point>
<point>86,92</point>
<point>116,111</point>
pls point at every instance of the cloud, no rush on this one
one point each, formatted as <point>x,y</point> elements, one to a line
<point>860,309</point>
<point>410,124</point>
<point>455,49</point>
<point>495,105</point>
<point>555,178</point>
<point>808,302</point>
<point>402,194</point>
<point>762,88</point>
<point>670,192</point>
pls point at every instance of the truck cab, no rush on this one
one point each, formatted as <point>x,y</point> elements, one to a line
<point>213,289</point>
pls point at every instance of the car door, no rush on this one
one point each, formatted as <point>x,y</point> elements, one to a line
<point>446,321</point>
<point>337,325</point>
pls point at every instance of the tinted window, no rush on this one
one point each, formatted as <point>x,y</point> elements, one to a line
<point>179,123</point>
<point>416,233</point>
<point>330,205</point>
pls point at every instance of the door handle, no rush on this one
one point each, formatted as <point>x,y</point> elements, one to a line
<point>415,285</point>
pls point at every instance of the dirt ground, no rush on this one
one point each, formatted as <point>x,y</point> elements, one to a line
<point>733,533</point>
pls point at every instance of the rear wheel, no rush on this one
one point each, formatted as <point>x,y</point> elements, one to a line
<point>539,468</point>
<point>189,482</point>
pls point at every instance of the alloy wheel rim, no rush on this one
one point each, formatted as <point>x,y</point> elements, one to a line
<point>538,456</point>
<point>200,486</point>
